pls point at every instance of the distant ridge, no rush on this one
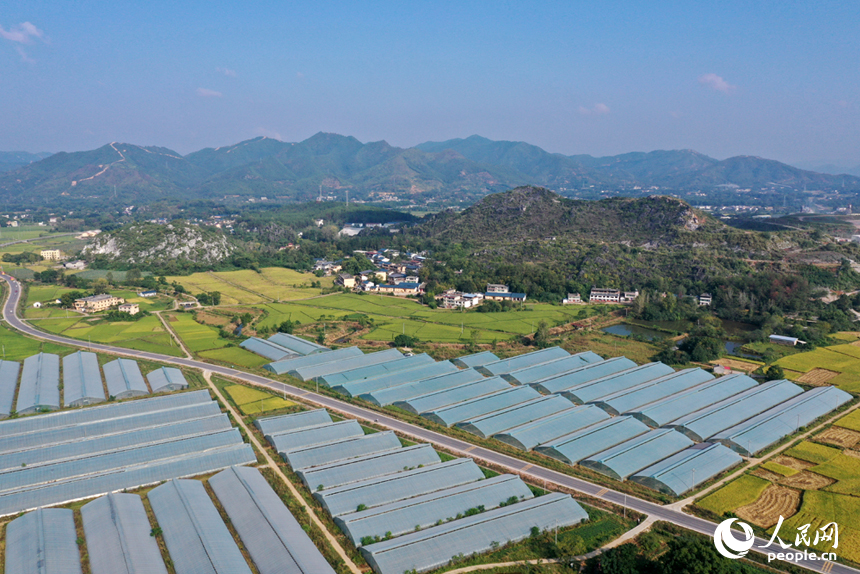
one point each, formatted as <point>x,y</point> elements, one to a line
<point>458,170</point>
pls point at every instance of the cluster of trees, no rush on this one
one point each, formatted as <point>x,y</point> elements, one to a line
<point>209,298</point>
<point>19,258</point>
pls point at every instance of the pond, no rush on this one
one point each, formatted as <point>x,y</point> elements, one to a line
<point>734,348</point>
<point>625,330</point>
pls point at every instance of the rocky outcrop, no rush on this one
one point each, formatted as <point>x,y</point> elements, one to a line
<point>145,243</point>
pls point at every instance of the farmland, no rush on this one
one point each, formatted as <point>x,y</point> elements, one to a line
<point>246,287</point>
<point>196,337</point>
<point>17,347</point>
<point>254,402</point>
<point>740,492</point>
<point>147,334</point>
<point>818,366</point>
<point>235,356</point>
<point>810,483</point>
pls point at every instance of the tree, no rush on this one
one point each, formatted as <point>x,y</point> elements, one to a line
<point>403,340</point>
<point>622,559</point>
<point>216,297</point>
<point>68,299</point>
<point>542,334</point>
<point>132,276</point>
<point>774,373</point>
<point>100,286</point>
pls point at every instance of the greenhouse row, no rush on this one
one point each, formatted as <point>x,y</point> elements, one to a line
<point>281,346</point>
<point>118,532</point>
<point>39,389</point>
<point>579,409</point>
<point>88,452</point>
<point>379,491</point>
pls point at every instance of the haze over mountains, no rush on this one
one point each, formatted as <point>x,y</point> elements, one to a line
<point>331,164</point>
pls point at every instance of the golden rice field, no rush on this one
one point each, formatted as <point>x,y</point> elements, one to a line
<point>253,401</point>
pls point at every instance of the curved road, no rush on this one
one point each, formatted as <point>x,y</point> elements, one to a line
<point>538,473</point>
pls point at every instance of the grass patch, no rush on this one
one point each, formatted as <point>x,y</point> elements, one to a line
<point>745,490</point>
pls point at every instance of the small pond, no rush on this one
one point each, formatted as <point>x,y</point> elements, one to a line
<point>625,330</point>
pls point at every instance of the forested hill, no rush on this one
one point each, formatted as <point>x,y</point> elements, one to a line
<point>451,172</point>
<point>534,213</point>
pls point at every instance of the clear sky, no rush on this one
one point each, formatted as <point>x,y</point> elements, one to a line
<point>774,79</point>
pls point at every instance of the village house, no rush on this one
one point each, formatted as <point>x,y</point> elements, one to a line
<point>147,294</point>
<point>79,264</point>
<point>572,299</point>
<point>603,295</point>
<point>401,289</point>
<point>345,280</point>
<point>51,254</point>
<point>130,308</point>
<point>96,303</point>
<point>327,267</point>
<point>705,299</point>
<point>495,288</point>
<point>453,299</point>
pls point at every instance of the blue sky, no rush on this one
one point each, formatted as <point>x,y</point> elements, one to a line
<point>774,79</point>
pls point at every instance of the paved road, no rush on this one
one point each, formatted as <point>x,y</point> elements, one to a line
<point>539,473</point>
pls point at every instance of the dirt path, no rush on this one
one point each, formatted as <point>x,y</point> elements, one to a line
<point>271,464</point>
<point>173,335</point>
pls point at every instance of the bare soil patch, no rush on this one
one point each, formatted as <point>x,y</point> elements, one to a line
<point>817,377</point>
<point>806,480</point>
<point>839,436</point>
<point>774,502</point>
<point>766,474</point>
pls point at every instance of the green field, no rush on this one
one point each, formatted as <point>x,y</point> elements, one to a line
<point>394,315</point>
<point>147,334</point>
<point>196,337</point>
<point>737,493</point>
<point>22,232</point>
<point>17,347</point>
<point>235,356</point>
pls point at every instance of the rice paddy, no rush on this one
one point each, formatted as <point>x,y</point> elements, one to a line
<point>254,402</point>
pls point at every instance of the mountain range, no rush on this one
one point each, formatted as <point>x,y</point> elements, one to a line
<point>458,170</point>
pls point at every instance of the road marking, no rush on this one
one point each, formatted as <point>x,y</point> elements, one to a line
<point>828,566</point>
<point>471,448</point>
<point>526,467</point>
<point>602,491</point>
